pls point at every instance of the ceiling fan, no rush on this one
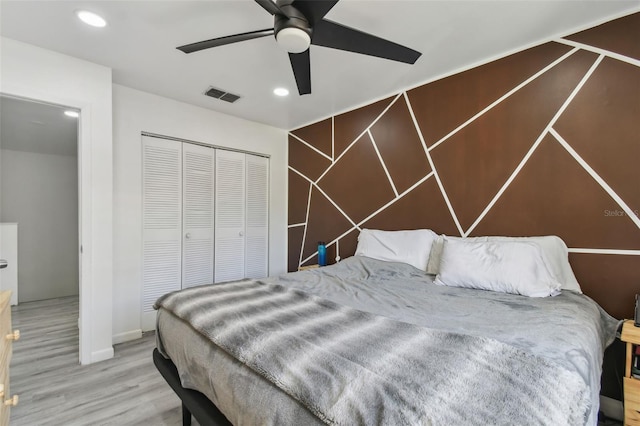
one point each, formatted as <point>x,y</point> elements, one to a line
<point>300,23</point>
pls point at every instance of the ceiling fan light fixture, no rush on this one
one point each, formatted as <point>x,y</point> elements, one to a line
<point>296,23</point>
<point>293,40</point>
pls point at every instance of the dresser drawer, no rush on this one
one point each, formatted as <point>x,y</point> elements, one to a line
<point>631,401</point>
<point>5,355</point>
<point>5,328</point>
<point>4,410</point>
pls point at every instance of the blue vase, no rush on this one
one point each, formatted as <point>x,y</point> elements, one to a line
<point>322,254</point>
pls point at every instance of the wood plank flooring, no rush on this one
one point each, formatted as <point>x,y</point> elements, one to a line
<point>55,389</point>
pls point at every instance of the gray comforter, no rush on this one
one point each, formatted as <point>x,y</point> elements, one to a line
<point>409,351</point>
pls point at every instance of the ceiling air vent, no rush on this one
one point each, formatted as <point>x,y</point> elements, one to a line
<point>221,94</point>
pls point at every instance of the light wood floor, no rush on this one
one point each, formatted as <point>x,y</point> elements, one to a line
<point>55,390</point>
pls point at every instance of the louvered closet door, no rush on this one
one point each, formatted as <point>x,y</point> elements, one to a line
<point>257,224</point>
<point>161,219</point>
<point>197,228</point>
<point>230,216</point>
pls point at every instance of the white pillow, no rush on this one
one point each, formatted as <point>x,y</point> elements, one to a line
<point>557,255</point>
<point>554,249</point>
<point>516,267</point>
<point>410,247</point>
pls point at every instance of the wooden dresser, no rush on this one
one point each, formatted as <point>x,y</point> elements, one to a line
<point>631,335</point>
<point>7,336</point>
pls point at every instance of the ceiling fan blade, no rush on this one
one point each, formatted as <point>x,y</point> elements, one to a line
<point>330,34</point>
<point>270,7</point>
<point>301,65</point>
<point>221,41</point>
<point>314,10</point>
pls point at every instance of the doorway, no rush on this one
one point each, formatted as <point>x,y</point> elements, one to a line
<point>39,195</point>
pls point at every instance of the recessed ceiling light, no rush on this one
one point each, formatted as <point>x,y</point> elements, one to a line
<point>91,18</point>
<point>280,91</point>
<point>74,114</point>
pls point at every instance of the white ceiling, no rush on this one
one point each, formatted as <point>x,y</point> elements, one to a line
<point>36,127</point>
<point>140,42</point>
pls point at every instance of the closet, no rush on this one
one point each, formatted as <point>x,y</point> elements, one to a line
<point>205,216</point>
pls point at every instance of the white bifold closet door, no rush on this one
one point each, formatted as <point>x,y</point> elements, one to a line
<point>205,218</point>
<point>161,219</point>
<point>230,216</point>
<point>257,223</point>
<point>242,216</point>
<point>197,226</point>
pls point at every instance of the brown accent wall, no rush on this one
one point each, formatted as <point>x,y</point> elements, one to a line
<point>544,141</point>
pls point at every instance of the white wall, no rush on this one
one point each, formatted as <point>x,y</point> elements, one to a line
<point>134,112</point>
<point>35,73</point>
<point>40,193</point>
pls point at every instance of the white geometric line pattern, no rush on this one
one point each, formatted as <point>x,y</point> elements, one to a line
<point>536,144</point>
<point>308,145</point>
<point>333,140</point>
<point>599,51</point>
<point>548,130</point>
<point>314,185</point>
<point>306,220</point>
<point>628,210</point>
<point>605,251</point>
<point>503,97</point>
<point>335,205</point>
<point>384,166</point>
<point>359,225</point>
<point>433,166</point>
<point>358,137</point>
<point>408,190</point>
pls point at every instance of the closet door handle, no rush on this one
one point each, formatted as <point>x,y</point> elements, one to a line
<point>187,235</point>
<point>241,234</point>
<point>3,263</point>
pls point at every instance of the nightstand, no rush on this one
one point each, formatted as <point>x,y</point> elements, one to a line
<point>7,336</point>
<point>631,335</point>
<point>307,267</point>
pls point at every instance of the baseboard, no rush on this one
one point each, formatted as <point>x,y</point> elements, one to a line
<point>126,336</point>
<point>612,408</point>
<point>102,355</point>
<point>148,322</point>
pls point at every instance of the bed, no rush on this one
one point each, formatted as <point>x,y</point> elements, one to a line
<point>370,341</point>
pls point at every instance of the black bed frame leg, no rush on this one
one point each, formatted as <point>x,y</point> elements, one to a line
<point>186,416</point>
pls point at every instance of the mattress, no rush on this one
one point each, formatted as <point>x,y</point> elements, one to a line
<point>570,330</point>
